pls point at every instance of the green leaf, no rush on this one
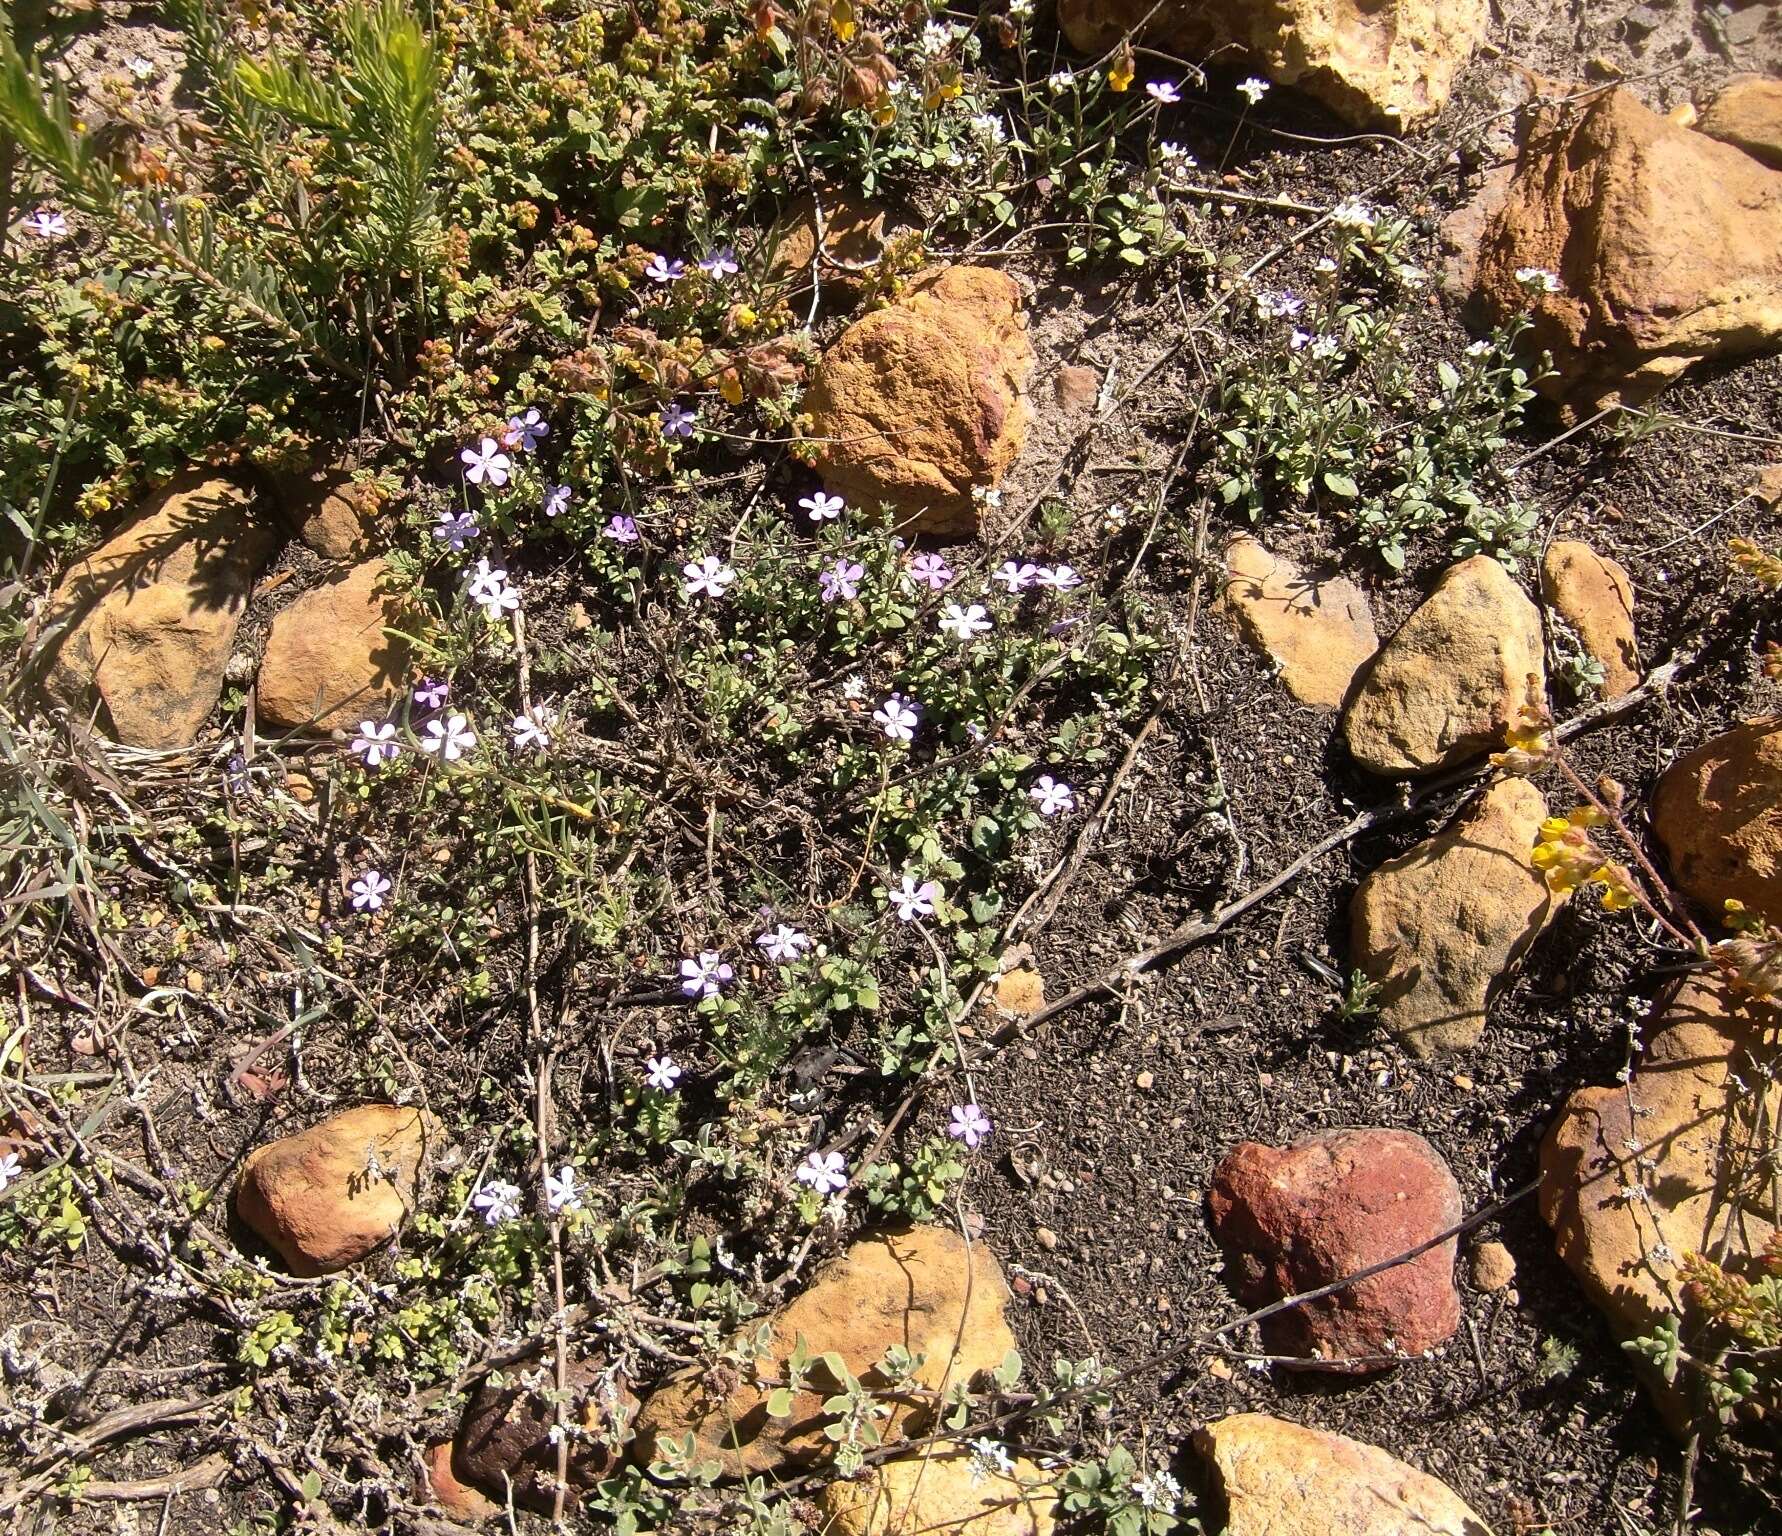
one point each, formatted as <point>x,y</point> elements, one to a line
<point>1341,485</point>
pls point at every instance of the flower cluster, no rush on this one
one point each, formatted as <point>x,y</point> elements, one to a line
<point>1569,858</point>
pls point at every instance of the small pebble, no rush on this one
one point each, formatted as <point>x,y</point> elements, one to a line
<point>1145,1079</point>
<point>1048,1239</point>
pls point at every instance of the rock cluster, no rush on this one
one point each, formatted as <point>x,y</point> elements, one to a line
<point>1440,927</point>
<point>1372,62</point>
<point>1718,813</point>
<point>1318,630</point>
<point>918,405</point>
<point>1291,1219</point>
<point>1666,243</point>
<point>329,1196</point>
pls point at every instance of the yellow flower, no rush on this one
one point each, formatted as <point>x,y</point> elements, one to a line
<point>841,20</point>
<point>1617,898</point>
<point>1120,76</point>
<point>1554,828</point>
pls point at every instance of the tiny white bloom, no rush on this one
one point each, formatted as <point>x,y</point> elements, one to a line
<point>965,622</point>
<point>897,717</point>
<point>707,577</point>
<point>486,462</point>
<point>450,738</point>
<point>532,730</point>
<point>825,1172</point>
<point>1057,578</point>
<point>10,1168</point>
<point>821,506</point>
<point>486,579</point>
<point>784,945</point>
<point>913,900</point>
<point>1016,575</point>
<point>369,891</point>
<point>1062,80</point>
<point>560,1191</point>
<point>1538,280</point>
<point>376,742</point>
<point>662,1073</point>
<point>498,1200</point>
<point>1253,89</point>
<point>1050,796</point>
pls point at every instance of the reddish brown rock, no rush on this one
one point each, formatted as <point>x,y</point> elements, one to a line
<point>918,405</point>
<point>139,632</point>
<point>330,510</point>
<point>1718,813</point>
<point>314,1198</point>
<point>505,1435</point>
<point>853,239</point>
<point>1076,388</point>
<point>331,659</point>
<point>1665,243</point>
<point>459,1500</point>
<point>1291,1219</point>
<point>1748,114</point>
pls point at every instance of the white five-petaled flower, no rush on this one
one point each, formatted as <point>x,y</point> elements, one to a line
<point>1165,91</point>
<point>557,499</point>
<point>1016,575</point>
<point>705,975</point>
<point>10,1168</point>
<point>487,579</point>
<point>1051,797</point>
<point>965,622</point>
<point>532,730</point>
<point>376,742</point>
<point>486,461</point>
<point>47,224</point>
<point>1057,578</point>
<point>784,945</point>
<point>1060,80</point>
<point>560,1191</point>
<point>988,1459</point>
<point>1253,89</point>
<point>497,599</point>
<point>1157,1490</point>
<point>1352,213</point>
<point>498,1200</point>
<point>1538,280</point>
<point>450,738</point>
<point>524,432</point>
<point>825,1172</point>
<point>707,577</point>
<point>913,900</point>
<point>662,1073</point>
<point>822,506</point>
<point>969,1124</point>
<point>369,891</point>
<point>897,717</point>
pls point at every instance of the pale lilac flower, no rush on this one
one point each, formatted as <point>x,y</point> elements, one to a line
<point>450,738</point>
<point>557,499</point>
<point>486,462</point>
<point>932,571</point>
<point>704,976</point>
<point>1057,578</point>
<point>1164,91</point>
<point>1352,213</point>
<point>825,1172</point>
<point>822,506</point>
<point>662,1073</point>
<point>560,1191</point>
<point>47,224</point>
<point>486,579</point>
<point>784,945</point>
<point>498,1200</point>
<point>841,581</point>
<point>1050,796</point>
<point>376,743</point>
<point>969,1124</point>
<point>707,577</point>
<point>677,421</point>
<point>662,270</point>
<point>456,529</point>
<point>720,264</point>
<point>369,891</point>
<point>1253,89</point>
<point>912,900</point>
<point>621,529</point>
<point>1017,576</point>
<point>965,623</point>
<point>431,692</point>
<point>524,432</point>
<point>897,717</point>
<point>10,1168</point>
<point>1279,306</point>
<point>532,730</point>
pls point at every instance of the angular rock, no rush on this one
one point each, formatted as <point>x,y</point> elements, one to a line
<point>1493,1268</point>
<point>921,1495</point>
<point>505,1434</point>
<point>1372,62</point>
<point>1075,387</point>
<point>329,510</point>
<point>853,238</point>
<point>1668,246</point>
<point>313,1198</point>
<point>922,1289</point>
<point>1595,599</point>
<point>1441,926</point>
<point>459,1500</point>
<point>142,627</point>
<point>1635,1176</point>
<point>1453,679</point>
<point>1718,813</point>
<point>1319,631</point>
<point>1281,1479</point>
<point>921,403</point>
<point>328,662</point>
<point>1748,115</point>
<point>1291,1219</point>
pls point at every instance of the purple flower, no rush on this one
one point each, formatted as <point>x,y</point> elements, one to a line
<point>525,432</point>
<point>1017,576</point>
<point>677,421</point>
<point>431,692</point>
<point>486,461</point>
<point>1279,306</point>
<point>369,891</point>
<point>720,264</point>
<point>663,270</point>
<point>47,224</point>
<point>560,1191</point>
<point>1164,91</point>
<point>621,530</point>
<point>932,571</point>
<point>969,1124</point>
<point>897,717</point>
<point>784,945</point>
<point>1050,796</point>
<point>840,581</point>
<point>662,1073</point>
<point>704,976</point>
<point>825,1172</point>
<point>376,743</point>
<point>822,507</point>
<point>557,499</point>
<point>913,900</point>
<point>456,529</point>
<point>498,1200</point>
